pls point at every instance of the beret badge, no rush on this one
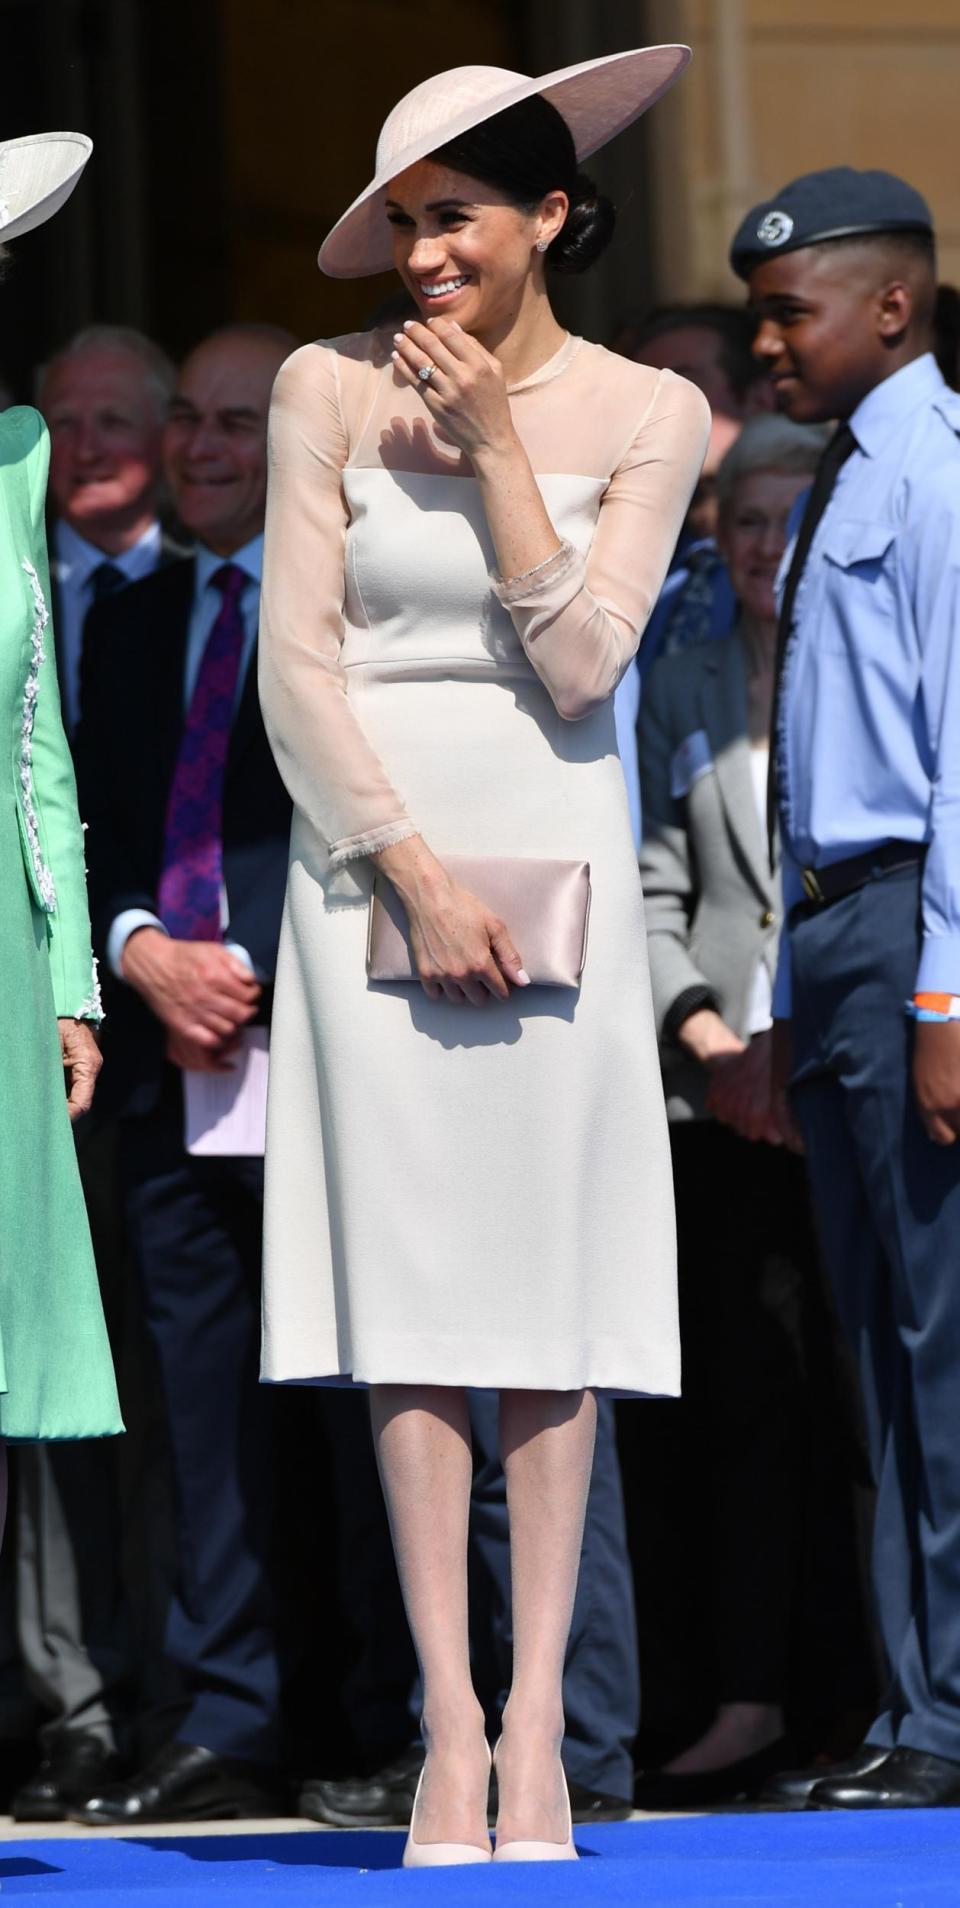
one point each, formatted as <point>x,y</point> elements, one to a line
<point>775,228</point>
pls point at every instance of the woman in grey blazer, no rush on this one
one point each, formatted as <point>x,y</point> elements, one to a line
<point>712,904</point>
<point>713,919</point>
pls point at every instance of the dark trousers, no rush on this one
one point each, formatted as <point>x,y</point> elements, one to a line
<point>600,1685</point>
<point>888,1208</point>
<point>195,1231</point>
<point>93,1531</point>
<point>741,1493</point>
<point>746,1255</point>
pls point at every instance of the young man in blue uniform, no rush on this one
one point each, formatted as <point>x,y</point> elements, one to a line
<point>866,782</point>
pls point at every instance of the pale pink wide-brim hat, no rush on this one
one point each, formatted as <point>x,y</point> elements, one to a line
<point>37,175</point>
<point>597,98</point>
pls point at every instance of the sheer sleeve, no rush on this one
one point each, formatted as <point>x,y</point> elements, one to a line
<point>333,775</point>
<point>580,620</point>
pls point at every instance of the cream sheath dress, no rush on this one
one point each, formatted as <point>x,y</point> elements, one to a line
<point>463,1196</point>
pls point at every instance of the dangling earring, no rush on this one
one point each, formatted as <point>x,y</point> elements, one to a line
<point>543,245</point>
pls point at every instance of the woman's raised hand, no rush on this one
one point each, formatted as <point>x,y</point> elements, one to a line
<point>466,392</point>
<point>461,949</point>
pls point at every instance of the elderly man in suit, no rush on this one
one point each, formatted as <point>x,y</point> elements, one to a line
<point>713,919</point>
<point>105,395</point>
<point>187,849</point>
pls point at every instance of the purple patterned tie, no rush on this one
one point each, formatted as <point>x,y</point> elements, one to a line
<point>188,896</point>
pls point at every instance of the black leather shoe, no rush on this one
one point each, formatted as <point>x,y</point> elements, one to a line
<point>793,1788</point>
<point>383,1800</point>
<point>183,1783</point>
<point>737,1782</point>
<point>591,1805</point>
<point>75,1765</point>
<point>907,1779</point>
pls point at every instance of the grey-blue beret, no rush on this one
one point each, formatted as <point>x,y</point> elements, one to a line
<point>837,203</point>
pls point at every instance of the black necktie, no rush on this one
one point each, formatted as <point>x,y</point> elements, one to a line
<point>105,580</point>
<point>835,455</point>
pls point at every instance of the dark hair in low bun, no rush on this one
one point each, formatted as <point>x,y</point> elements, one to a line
<point>526,152</point>
<point>586,230</point>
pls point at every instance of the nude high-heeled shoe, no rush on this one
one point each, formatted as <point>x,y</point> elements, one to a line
<point>538,1851</point>
<point>439,1854</point>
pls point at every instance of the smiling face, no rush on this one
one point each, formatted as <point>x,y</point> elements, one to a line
<point>215,443</point>
<point>752,536</point>
<point>834,322</point>
<point>463,249</point>
<point>105,433</point>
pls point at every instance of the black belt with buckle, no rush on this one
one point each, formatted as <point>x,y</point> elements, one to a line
<point>823,885</point>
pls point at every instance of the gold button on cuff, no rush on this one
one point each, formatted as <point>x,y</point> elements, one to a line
<point>767,918</point>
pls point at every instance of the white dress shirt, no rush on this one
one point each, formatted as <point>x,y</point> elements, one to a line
<point>207,602</point>
<point>72,564</point>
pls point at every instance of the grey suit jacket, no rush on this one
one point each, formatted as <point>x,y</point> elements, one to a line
<point>712,906</point>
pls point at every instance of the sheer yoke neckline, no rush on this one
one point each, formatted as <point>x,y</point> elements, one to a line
<point>381,564</point>
<point>552,368</point>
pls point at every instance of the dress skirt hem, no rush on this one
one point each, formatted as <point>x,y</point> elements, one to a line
<point>612,1367</point>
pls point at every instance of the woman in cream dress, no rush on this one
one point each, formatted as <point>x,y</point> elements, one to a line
<point>468,1178</point>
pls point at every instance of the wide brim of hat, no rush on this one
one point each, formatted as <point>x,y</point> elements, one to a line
<point>597,98</point>
<point>37,175</point>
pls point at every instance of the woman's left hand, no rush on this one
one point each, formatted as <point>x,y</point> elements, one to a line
<point>466,392</point>
<point>739,1093</point>
<point>82,1061</point>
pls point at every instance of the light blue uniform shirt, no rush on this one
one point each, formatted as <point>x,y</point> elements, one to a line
<point>870,703</point>
<point>207,601</point>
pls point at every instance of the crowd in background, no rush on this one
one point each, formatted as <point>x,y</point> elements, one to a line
<point>167,1589</point>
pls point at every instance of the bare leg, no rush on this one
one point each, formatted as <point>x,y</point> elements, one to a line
<point>422,1435</point>
<point>546,1440</point>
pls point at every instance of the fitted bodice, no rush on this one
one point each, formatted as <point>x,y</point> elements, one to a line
<point>419,560</point>
<point>379,562</point>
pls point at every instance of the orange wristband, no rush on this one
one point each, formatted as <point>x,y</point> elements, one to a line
<point>929,1006</point>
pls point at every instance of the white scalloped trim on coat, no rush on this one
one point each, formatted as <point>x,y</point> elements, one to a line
<point>45,884</point>
<point>92,1008</point>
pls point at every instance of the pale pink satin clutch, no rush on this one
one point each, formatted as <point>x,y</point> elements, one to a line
<point>545,905</point>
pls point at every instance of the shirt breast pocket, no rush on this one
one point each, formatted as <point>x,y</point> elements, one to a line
<point>861,598</point>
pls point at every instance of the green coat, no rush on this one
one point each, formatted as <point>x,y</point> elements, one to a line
<point>56,1373</point>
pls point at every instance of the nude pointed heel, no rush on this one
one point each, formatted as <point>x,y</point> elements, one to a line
<point>438,1854</point>
<point>538,1851</point>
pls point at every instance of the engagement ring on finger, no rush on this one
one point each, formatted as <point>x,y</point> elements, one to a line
<point>426,372</point>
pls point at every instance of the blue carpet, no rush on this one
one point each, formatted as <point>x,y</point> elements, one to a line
<point>907,1860</point>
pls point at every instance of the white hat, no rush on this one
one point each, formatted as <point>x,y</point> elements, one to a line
<point>37,175</point>
<point>597,98</point>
